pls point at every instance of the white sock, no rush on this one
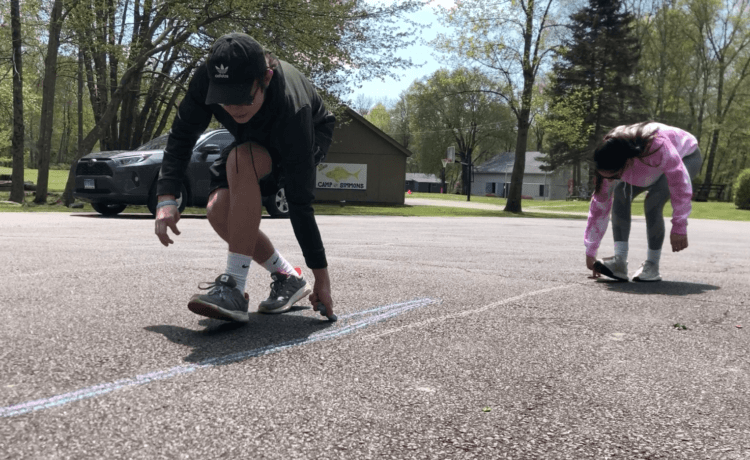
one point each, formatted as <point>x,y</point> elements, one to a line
<point>278,264</point>
<point>238,265</point>
<point>653,255</point>
<point>621,249</point>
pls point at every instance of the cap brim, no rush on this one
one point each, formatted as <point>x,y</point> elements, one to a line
<point>229,94</point>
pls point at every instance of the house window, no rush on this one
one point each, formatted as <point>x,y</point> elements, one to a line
<point>541,189</point>
<point>489,187</point>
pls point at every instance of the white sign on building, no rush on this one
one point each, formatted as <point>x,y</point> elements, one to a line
<point>341,176</point>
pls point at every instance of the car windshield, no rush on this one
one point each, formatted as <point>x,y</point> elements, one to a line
<point>159,143</point>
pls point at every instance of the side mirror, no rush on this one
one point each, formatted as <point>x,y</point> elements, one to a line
<point>208,149</point>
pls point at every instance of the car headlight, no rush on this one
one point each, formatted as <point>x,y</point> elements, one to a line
<point>130,159</point>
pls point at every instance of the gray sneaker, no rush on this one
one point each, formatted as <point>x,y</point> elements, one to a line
<point>648,271</point>
<point>223,301</point>
<point>614,267</point>
<point>285,291</point>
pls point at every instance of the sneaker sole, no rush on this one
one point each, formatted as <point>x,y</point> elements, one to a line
<point>601,268</point>
<point>641,280</point>
<point>296,297</point>
<point>199,307</point>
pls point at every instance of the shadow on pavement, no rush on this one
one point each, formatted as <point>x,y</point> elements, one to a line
<point>659,288</point>
<point>220,338</point>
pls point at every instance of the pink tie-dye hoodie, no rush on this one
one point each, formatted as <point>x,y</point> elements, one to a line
<point>670,146</point>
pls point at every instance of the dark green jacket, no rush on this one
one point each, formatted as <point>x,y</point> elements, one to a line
<point>293,124</point>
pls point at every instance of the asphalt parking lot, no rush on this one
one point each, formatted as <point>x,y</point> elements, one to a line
<point>458,338</point>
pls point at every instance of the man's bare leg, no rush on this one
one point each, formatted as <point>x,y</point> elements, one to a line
<point>237,211</point>
<point>218,216</point>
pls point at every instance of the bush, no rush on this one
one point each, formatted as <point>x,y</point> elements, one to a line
<point>742,190</point>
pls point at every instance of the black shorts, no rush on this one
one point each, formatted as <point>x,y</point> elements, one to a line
<point>268,183</point>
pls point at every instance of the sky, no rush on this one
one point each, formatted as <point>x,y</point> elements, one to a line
<point>390,89</point>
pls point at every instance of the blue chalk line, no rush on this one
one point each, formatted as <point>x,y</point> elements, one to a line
<point>377,315</point>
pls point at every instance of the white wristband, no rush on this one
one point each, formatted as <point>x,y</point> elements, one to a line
<point>161,204</point>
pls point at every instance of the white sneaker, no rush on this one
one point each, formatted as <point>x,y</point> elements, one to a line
<point>614,267</point>
<point>648,271</point>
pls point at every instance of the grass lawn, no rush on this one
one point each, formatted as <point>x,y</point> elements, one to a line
<point>57,177</point>
<point>708,210</point>
<point>712,210</point>
<point>321,209</point>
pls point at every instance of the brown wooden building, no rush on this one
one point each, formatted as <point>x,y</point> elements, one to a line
<point>363,165</point>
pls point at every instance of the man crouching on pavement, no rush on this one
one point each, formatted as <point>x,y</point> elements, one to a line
<point>280,124</point>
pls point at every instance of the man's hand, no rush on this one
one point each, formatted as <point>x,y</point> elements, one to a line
<point>167,217</point>
<point>679,242</point>
<point>321,290</point>
<point>590,261</point>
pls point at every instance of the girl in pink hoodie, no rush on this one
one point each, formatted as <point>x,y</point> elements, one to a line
<point>659,159</point>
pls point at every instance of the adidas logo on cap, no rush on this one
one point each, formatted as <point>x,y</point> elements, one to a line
<point>222,71</point>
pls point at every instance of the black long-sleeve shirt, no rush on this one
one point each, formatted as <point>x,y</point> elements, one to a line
<point>293,124</point>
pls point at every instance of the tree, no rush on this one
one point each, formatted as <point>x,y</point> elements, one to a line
<point>511,40</point>
<point>48,99</point>
<point>721,28</point>
<point>668,64</point>
<point>456,108</point>
<point>594,78</point>
<point>400,117</point>
<point>379,117</point>
<point>16,192</point>
<point>567,128</point>
<point>363,103</point>
<point>335,43</point>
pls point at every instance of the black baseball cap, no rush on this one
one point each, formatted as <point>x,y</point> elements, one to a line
<point>235,61</point>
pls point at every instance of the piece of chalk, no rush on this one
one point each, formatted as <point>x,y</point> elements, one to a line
<point>324,312</point>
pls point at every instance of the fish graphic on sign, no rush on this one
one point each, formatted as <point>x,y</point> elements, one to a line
<point>338,174</point>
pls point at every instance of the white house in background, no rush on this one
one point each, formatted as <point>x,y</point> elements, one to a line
<point>493,177</point>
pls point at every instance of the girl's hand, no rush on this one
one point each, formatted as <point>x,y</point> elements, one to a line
<point>590,261</point>
<point>679,242</point>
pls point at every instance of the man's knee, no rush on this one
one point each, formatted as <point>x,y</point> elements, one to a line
<point>254,157</point>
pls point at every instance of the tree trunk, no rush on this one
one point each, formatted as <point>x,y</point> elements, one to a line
<point>153,102</point>
<point>519,165</point>
<point>171,105</point>
<point>48,102</point>
<point>16,191</point>
<point>708,179</point>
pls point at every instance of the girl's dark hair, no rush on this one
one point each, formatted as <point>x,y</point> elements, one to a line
<point>619,146</point>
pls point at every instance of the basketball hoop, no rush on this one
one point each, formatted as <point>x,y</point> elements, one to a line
<point>445,161</point>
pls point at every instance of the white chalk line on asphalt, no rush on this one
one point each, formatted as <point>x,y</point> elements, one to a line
<point>376,315</point>
<point>463,313</point>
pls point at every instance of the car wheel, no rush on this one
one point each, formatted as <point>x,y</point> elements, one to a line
<point>276,204</point>
<point>152,198</point>
<point>107,209</point>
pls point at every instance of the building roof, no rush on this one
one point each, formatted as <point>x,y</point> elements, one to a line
<point>354,115</point>
<point>424,178</point>
<point>503,162</point>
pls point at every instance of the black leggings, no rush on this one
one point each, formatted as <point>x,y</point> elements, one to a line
<point>653,205</point>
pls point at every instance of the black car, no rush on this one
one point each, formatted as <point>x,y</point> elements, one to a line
<point>111,181</point>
